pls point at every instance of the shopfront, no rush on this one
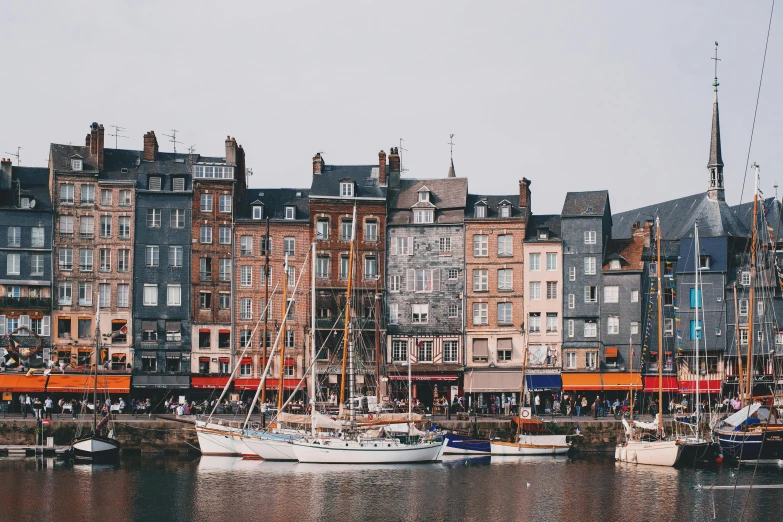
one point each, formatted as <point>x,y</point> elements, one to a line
<point>428,388</point>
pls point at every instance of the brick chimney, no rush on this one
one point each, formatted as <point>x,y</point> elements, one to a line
<point>524,194</point>
<point>95,142</point>
<point>647,232</point>
<point>318,164</point>
<point>231,150</point>
<point>5,174</point>
<point>382,168</point>
<point>150,146</point>
<point>394,160</point>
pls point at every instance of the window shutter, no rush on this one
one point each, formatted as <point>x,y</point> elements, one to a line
<point>2,325</point>
<point>46,326</point>
<point>24,320</point>
<point>410,246</point>
<point>154,183</point>
<point>435,280</point>
<point>587,294</point>
<point>394,246</point>
<point>179,184</point>
<point>410,280</point>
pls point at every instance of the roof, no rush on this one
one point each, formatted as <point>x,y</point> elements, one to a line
<point>628,251</point>
<point>549,221</point>
<point>492,203</point>
<point>34,182</point>
<point>771,213</point>
<point>327,183</point>
<point>275,201</point>
<point>61,157</point>
<point>579,204</point>
<point>447,195</point>
<point>715,218</point>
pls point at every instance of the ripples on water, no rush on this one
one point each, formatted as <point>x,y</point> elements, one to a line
<point>218,489</point>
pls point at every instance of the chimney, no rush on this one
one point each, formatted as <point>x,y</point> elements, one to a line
<point>394,160</point>
<point>94,140</point>
<point>231,150</point>
<point>382,168</point>
<point>5,174</point>
<point>647,232</point>
<point>524,194</point>
<point>99,147</point>
<point>150,146</point>
<point>318,164</point>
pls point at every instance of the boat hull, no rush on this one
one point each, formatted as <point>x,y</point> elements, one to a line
<point>698,453</point>
<point>532,445</point>
<point>269,447</point>
<point>754,445</point>
<point>370,452</point>
<point>96,449</point>
<point>459,445</point>
<point>652,453</point>
<point>219,441</point>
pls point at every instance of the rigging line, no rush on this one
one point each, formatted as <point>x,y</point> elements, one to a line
<point>756,110</point>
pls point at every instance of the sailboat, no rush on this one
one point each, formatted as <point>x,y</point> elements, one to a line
<point>361,446</point>
<point>94,446</point>
<point>638,448</point>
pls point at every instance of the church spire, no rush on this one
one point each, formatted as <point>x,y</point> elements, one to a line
<point>715,164</point>
<point>451,173</point>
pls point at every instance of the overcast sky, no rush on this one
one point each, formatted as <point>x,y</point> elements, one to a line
<point>572,95</point>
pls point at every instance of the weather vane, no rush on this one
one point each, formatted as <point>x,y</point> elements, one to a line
<point>715,82</point>
<point>451,146</point>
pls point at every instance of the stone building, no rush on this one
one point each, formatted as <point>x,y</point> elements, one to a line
<point>425,286</point>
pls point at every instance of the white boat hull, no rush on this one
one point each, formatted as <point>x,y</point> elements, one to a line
<point>268,448</point>
<point>219,440</point>
<point>96,449</point>
<point>653,453</point>
<point>337,451</point>
<point>532,445</point>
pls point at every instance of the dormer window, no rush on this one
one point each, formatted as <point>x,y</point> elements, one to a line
<point>614,264</point>
<point>258,212</point>
<point>505,211</point>
<point>704,262</point>
<point>543,234</point>
<point>76,164</point>
<point>346,189</point>
<point>290,212</point>
<point>481,211</point>
<point>423,216</point>
<point>424,195</point>
<point>154,183</point>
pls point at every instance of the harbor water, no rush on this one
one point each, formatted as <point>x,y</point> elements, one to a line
<point>480,488</point>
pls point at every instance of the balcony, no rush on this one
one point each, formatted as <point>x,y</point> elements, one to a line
<point>206,276</point>
<point>26,302</point>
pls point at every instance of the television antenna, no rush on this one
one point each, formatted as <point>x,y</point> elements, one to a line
<point>117,131</point>
<point>173,139</point>
<point>402,169</point>
<point>17,156</point>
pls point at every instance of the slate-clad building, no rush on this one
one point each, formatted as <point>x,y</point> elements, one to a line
<point>25,264</point>
<point>425,286</point>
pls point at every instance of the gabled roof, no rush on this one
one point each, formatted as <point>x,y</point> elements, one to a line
<point>447,195</point>
<point>327,184</point>
<point>548,221</point>
<point>275,201</point>
<point>771,212</point>
<point>34,182</point>
<point>492,203</point>
<point>579,204</point>
<point>61,157</point>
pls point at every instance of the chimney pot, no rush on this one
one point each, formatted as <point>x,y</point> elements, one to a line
<point>150,146</point>
<point>525,195</point>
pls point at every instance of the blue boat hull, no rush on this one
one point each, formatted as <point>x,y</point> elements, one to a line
<point>751,446</point>
<point>460,445</point>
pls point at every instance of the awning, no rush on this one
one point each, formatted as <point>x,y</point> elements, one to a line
<point>148,326</point>
<point>270,384</point>
<point>611,353</point>
<point>504,344</point>
<point>582,381</point>
<point>173,355</point>
<point>223,331</point>
<point>22,383</point>
<point>705,386</point>
<point>290,362</point>
<point>149,355</point>
<point>82,383</point>
<point>480,348</point>
<point>425,377</point>
<point>246,360</point>
<point>548,381</point>
<point>173,326</point>
<point>210,383</point>
<point>203,359</point>
<point>621,381</point>
<point>651,383</point>
<point>491,381</point>
<point>203,330</point>
<point>161,381</point>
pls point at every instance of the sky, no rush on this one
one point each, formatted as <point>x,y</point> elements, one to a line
<point>573,95</point>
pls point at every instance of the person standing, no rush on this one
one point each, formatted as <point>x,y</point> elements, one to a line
<point>37,407</point>
<point>23,405</point>
<point>584,405</point>
<point>507,406</point>
<point>537,402</point>
<point>48,405</point>
<point>73,408</point>
<point>513,404</point>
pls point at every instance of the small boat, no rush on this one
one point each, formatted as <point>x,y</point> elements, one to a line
<point>531,440</point>
<point>462,445</point>
<point>333,450</point>
<point>754,433</point>
<point>217,439</point>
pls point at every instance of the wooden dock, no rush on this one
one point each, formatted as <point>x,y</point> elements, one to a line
<point>32,451</point>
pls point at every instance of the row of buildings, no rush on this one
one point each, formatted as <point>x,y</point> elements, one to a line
<point>181,265</point>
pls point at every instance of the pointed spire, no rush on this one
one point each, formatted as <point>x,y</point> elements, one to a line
<point>715,163</point>
<point>451,170</point>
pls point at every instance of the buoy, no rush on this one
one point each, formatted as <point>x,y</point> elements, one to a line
<point>718,459</point>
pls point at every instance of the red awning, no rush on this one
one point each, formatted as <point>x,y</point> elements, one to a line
<point>203,359</point>
<point>246,360</point>
<point>224,331</point>
<point>210,383</point>
<point>289,362</point>
<point>705,386</point>
<point>271,384</point>
<point>651,383</point>
<point>611,353</point>
<point>224,359</point>
<point>425,377</point>
<point>203,330</point>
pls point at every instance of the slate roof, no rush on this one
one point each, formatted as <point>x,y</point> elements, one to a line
<point>492,206</point>
<point>327,184</point>
<point>772,215</point>
<point>629,251</point>
<point>34,182</point>
<point>448,195</point>
<point>275,201</point>
<point>550,221</point>
<point>579,204</point>
<point>715,218</point>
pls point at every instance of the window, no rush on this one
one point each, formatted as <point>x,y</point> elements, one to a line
<point>258,212</point>
<point>266,280</point>
<point>505,211</point>
<point>66,225</point>
<point>290,212</point>
<point>245,245</point>
<point>66,194</point>
<point>572,273</point>
<point>322,228</point>
<point>205,235</point>
<point>213,171</point>
<point>591,329</point>
<point>104,258</point>
<point>64,293</point>
<point>206,203</point>
<point>668,297</point>
<point>224,301</point>
<point>204,300</point>
<point>124,227</point>
<point>591,294</point>
<point>225,235</point>
<point>534,262</point>
<point>696,298</point>
<point>634,328</point>
<point>394,313</point>
<point>402,246</point>
<point>696,330</point>
<point>551,322</point>
<point>14,291</point>
<point>745,278</point>
<point>743,335</point>
<point>104,295</point>
<point>87,195</point>
<point>149,363</point>
<point>76,164</point>
<point>394,283</point>
<point>614,264</point>
<point>346,190</point>
<point>123,260</point>
<point>291,276</point>
<point>37,237</point>
<point>346,227</point>
<point>504,313</point>
<point>534,323</point>
<point>123,296</point>
<point>570,362</point>
<point>244,338</point>
<point>265,246</point>
<point>175,256</point>
<point>704,262</point>
<point>173,331</point>
<point>743,306</point>
<point>288,246</point>
<point>105,226</point>
<point>343,267</point>
<point>154,183</point>
<point>36,265</point>
<point>613,325</point>
<point>371,230</point>
<point>535,290</point>
<point>571,301</point>
<point>590,237</point>
<point>551,261</point>
<point>152,255</point>
<point>150,295</point>
<point>423,280</point>
<point>453,274</point>
<point>591,360</point>
<point>290,308</point>
<point>444,245</point>
<point>480,313</point>
<point>634,296</point>
<point>245,368</point>
<point>66,259</point>
<point>370,267</point>
<point>611,294</point>
<point>246,308</point>
<point>105,197</point>
<point>424,196</point>
<point>668,327</point>
<point>85,294</point>
<point>480,245</point>
<point>85,328</point>
<point>289,343</point>
<point>246,275</point>
<point>760,307</point>
<point>590,265</point>
<point>480,280</point>
<point>570,327</point>
<point>481,211</point>
<point>450,352</point>
<point>399,351</point>
<point>423,216</point>
<point>452,311</point>
<point>178,184</point>
<point>125,198</point>
<point>551,289</point>
<point>420,313</point>
<point>225,203</point>
<point>425,351</point>
<point>779,338</point>
<point>153,217</point>
<point>505,279</point>
<point>225,269</point>
<point>177,218</point>
<point>14,236</point>
<point>322,267</point>
<point>151,334</point>
<point>13,262</point>
<point>85,259</point>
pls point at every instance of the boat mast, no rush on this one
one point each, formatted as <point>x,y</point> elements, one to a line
<point>283,331</point>
<point>698,326</point>
<point>630,386</point>
<point>522,383</point>
<point>97,355</point>
<point>741,376</point>
<point>312,341</point>
<point>377,339</point>
<point>347,328</point>
<point>266,303</point>
<point>660,326</point>
<point>752,293</point>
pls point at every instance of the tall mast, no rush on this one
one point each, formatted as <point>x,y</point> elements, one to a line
<point>522,384</point>
<point>266,304</point>
<point>347,328</point>
<point>630,386</point>
<point>660,326</point>
<point>312,341</point>
<point>97,355</point>
<point>377,339</point>
<point>283,332</point>
<point>698,326</point>
<point>741,376</point>
<point>752,293</point>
